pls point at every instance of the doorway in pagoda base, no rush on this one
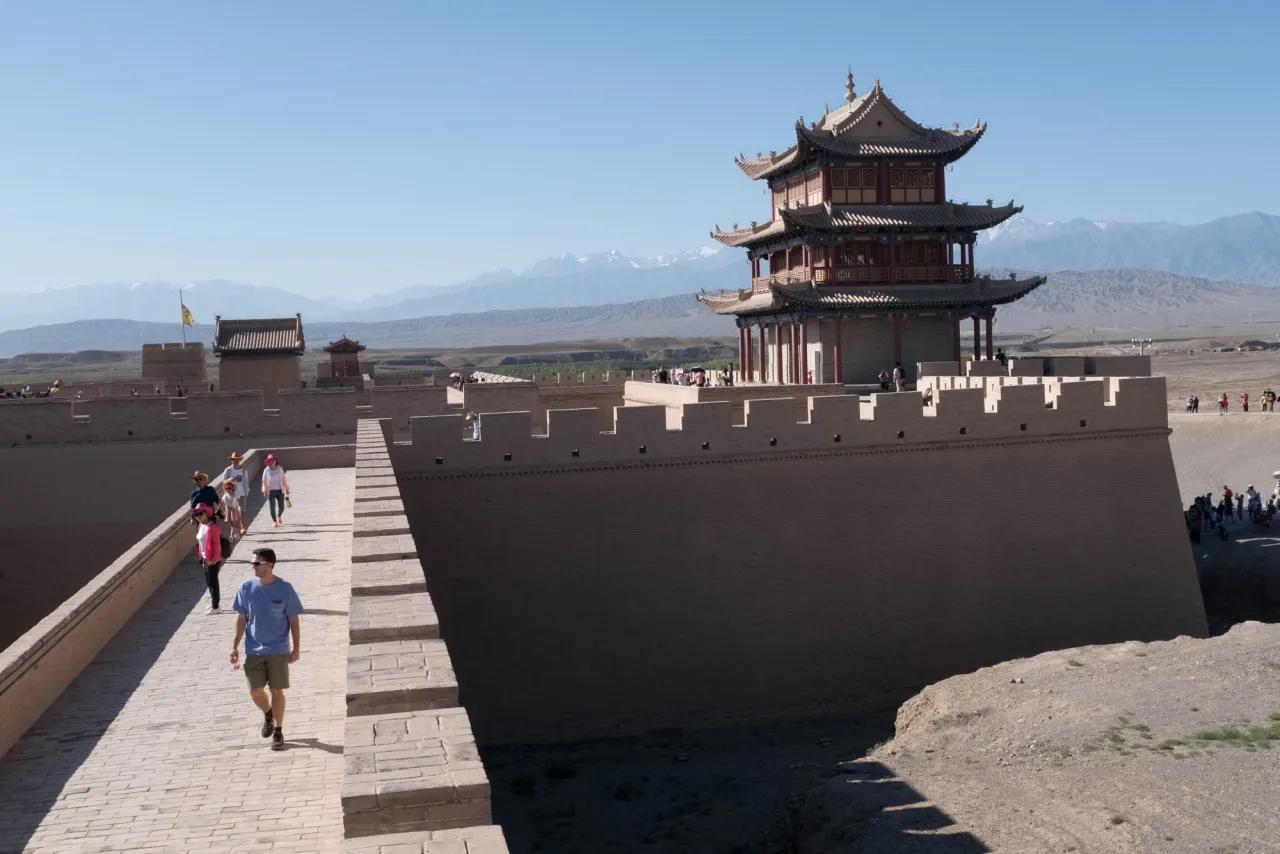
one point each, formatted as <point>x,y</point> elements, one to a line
<point>816,356</point>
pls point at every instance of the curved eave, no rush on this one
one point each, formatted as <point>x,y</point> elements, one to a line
<point>947,146</point>
<point>923,217</point>
<point>982,292</point>
<point>764,167</point>
<point>740,302</point>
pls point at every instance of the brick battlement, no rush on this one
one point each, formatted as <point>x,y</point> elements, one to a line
<point>1002,408</point>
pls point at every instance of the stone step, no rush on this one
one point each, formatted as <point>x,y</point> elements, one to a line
<point>486,839</point>
<point>383,507</point>
<point>400,616</point>
<point>378,526</point>
<point>380,546</point>
<point>387,577</point>
<point>412,771</point>
<point>379,493</point>
<point>399,676</point>
<point>374,482</point>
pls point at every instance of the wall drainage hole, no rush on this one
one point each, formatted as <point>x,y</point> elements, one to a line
<point>964,431</point>
<point>643,448</point>
<point>575,452</point>
<point>835,438</point>
<point>1022,427</point>
<point>439,461</point>
<point>506,457</point>
<point>773,442</point>
<point>706,446</point>
<point>902,434</point>
<point>1084,423</point>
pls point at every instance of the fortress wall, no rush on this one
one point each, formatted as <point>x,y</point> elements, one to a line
<point>641,433</point>
<point>676,397</point>
<point>400,402</point>
<point>580,601</point>
<point>37,420</point>
<point>537,399</point>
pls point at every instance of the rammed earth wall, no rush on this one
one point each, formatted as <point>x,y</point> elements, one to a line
<point>595,584</point>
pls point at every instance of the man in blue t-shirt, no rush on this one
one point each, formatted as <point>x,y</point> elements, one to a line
<point>267,609</point>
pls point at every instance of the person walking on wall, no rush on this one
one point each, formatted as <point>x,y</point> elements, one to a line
<point>235,472</point>
<point>203,493</point>
<point>1244,401</point>
<point>268,611</point>
<point>275,486</point>
<point>232,510</point>
<point>209,547</point>
<point>897,376</point>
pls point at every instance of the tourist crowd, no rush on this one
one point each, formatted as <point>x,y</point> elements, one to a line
<point>1206,516</point>
<point>267,607</point>
<point>1267,399</point>
<point>700,377</point>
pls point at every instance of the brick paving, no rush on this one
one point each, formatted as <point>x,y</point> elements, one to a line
<point>156,746</point>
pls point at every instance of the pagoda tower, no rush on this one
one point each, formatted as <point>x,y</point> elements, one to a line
<point>863,263</point>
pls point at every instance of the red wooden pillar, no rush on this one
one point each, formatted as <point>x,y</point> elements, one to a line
<point>838,372</point>
<point>804,351</point>
<point>990,318</point>
<point>746,365</point>
<point>762,352</point>
<point>777,352</point>
<point>977,339</point>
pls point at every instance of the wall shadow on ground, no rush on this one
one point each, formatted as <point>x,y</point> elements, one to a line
<point>99,693</point>
<point>739,788</point>
<point>1240,577</point>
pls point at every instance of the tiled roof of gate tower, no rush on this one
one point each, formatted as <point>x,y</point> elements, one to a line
<point>259,336</point>
<point>983,291</point>
<point>856,218</point>
<point>852,131</point>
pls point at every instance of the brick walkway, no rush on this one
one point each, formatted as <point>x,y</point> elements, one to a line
<point>156,746</point>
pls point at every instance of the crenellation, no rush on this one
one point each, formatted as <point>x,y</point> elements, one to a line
<point>962,409</point>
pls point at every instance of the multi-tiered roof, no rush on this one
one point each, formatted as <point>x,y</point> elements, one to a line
<point>866,175</point>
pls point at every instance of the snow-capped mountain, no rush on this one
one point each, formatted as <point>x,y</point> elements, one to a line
<point>1242,248</point>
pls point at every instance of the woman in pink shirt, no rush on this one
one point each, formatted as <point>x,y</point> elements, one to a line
<point>209,547</point>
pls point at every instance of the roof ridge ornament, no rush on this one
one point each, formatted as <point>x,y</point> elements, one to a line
<point>849,94</point>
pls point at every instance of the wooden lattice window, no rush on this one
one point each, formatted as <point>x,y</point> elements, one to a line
<point>853,185</point>
<point>912,185</point>
<point>813,188</point>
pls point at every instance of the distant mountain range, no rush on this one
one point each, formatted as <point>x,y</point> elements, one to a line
<point>1111,299</point>
<point>1241,248</point>
<point>566,280</point>
<point>1129,273</point>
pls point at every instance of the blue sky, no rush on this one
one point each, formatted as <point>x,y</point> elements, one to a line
<point>353,148</point>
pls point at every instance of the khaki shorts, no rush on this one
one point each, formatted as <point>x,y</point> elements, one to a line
<point>262,670</point>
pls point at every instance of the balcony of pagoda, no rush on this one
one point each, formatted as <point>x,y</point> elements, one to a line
<point>869,274</point>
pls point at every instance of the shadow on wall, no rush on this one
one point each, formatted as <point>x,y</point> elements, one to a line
<point>1240,577</point>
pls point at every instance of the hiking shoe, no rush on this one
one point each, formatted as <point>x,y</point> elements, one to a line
<point>268,725</point>
<point>277,740</point>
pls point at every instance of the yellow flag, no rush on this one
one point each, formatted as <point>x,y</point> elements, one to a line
<point>187,318</point>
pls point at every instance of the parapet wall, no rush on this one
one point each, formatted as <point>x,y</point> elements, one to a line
<point>606,583</point>
<point>1042,366</point>
<point>314,412</point>
<point>641,433</point>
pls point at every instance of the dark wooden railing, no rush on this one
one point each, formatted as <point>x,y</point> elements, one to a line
<point>868,274</point>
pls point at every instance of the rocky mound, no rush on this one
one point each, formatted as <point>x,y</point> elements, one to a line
<point>1171,746</point>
